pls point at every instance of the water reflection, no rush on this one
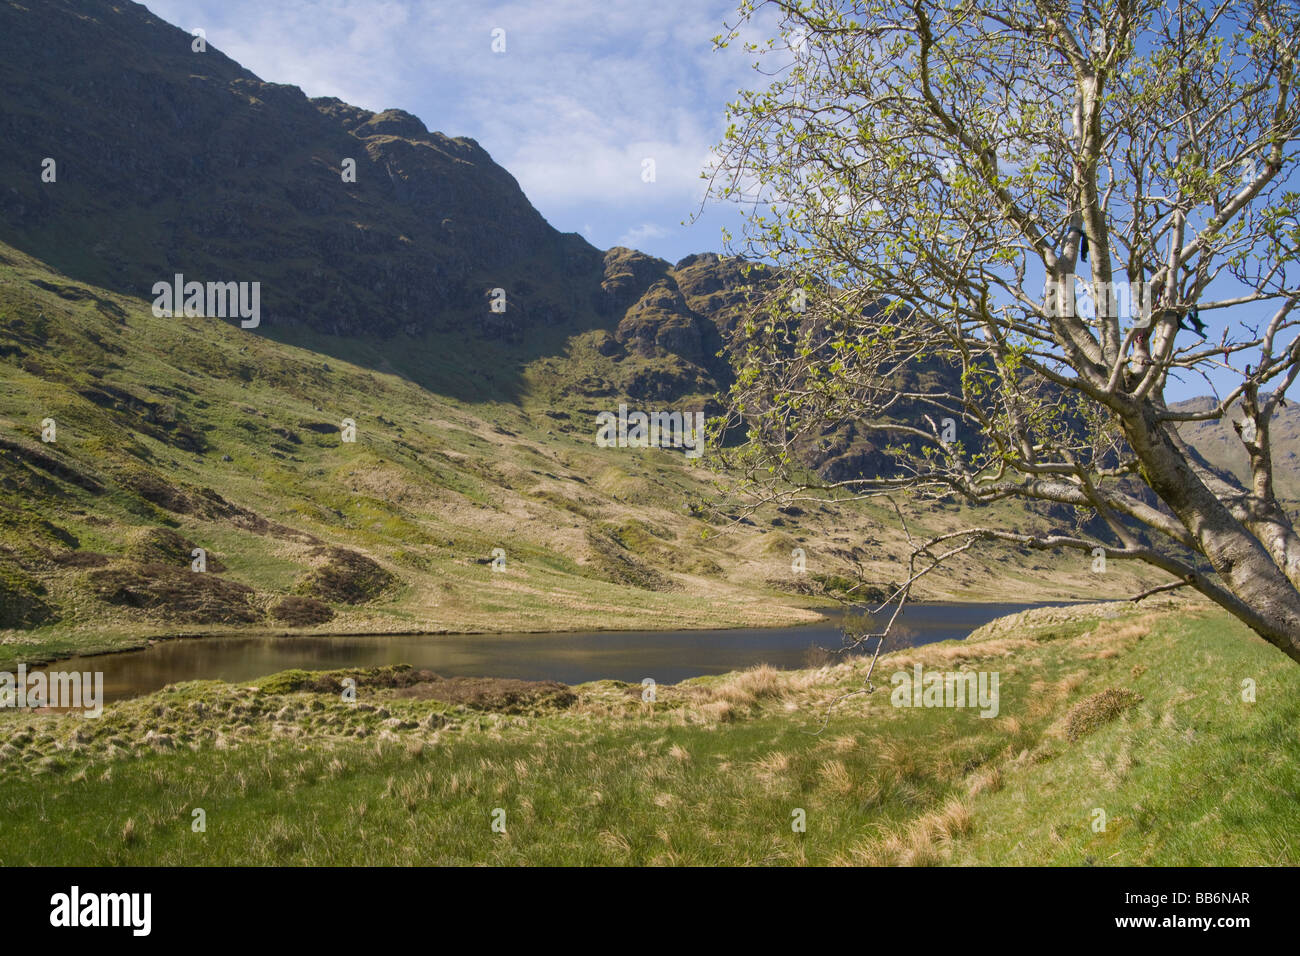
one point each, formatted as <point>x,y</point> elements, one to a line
<point>666,656</point>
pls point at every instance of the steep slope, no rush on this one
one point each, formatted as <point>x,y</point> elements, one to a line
<point>371,236</point>
<point>176,160</point>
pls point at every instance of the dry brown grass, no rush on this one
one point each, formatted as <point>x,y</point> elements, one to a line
<point>750,686</point>
<point>768,769</point>
<point>1111,769</point>
<point>1071,682</point>
<point>925,841</point>
<point>1111,639</point>
<point>716,712</point>
<point>898,760</point>
<point>946,656</point>
<point>740,693</point>
<point>613,840</point>
<point>985,780</point>
<point>1098,709</point>
<point>836,778</point>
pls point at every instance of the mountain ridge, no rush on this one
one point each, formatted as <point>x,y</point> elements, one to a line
<point>222,176</point>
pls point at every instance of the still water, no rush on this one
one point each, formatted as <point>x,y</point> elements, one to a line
<point>665,656</point>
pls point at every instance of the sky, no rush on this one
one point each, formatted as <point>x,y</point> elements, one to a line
<point>584,93</point>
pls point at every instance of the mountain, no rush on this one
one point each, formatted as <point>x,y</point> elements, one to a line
<point>1221,448</point>
<point>167,160</point>
<point>132,443</point>
<point>128,441</point>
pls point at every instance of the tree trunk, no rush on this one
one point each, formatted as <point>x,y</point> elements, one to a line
<point>1265,599</point>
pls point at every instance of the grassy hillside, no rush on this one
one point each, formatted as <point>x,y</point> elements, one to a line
<point>175,434</point>
<point>1137,713</point>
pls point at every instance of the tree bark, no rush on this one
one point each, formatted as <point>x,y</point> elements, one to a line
<point>1266,599</point>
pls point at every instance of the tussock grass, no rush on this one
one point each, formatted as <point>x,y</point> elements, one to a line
<point>1098,709</point>
<point>714,771</point>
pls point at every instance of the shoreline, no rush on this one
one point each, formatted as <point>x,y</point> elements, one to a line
<point>824,618</point>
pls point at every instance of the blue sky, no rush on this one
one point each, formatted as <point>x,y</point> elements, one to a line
<point>585,91</point>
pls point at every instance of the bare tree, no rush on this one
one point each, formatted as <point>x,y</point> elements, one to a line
<point>1049,203</point>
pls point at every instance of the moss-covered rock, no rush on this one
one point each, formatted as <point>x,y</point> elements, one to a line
<point>612,561</point>
<point>165,546</point>
<point>176,593</point>
<point>22,597</point>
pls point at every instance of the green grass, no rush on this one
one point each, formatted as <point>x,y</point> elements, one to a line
<point>150,409</point>
<point>709,774</point>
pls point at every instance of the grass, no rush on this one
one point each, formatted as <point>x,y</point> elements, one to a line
<point>230,441</point>
<point>715,771</point>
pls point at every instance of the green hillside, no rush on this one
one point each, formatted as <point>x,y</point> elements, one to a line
<point>175,433</point>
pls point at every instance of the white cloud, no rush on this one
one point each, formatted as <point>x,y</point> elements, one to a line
<point>636,237</point>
